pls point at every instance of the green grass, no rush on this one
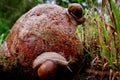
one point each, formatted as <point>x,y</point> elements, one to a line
<point>4,29</point>
<point>102,37</point>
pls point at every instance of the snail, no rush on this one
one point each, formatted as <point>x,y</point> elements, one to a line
<point>41,40</point>
<point>48,63</point>
<point>75,10</point>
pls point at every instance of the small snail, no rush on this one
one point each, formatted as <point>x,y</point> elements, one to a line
<point>41,40</point>
<point>48,62</point>
<point>76,12</point>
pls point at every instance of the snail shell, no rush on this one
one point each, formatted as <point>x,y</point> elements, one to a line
<point>53,56</point>
<point>47,64</point>
<point>75,12</point>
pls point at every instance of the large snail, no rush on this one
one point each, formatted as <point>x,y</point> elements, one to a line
<point>41,40</point>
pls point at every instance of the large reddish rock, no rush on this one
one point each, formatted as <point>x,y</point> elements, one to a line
<point>45,28</point>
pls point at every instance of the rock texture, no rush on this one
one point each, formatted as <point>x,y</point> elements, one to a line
<point>45,28</point>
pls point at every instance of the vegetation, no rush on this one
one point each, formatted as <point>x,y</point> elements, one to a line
<point>100,33</point>
<point>101,37</point>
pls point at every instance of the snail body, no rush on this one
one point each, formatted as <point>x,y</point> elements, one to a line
<point>42,38</point>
